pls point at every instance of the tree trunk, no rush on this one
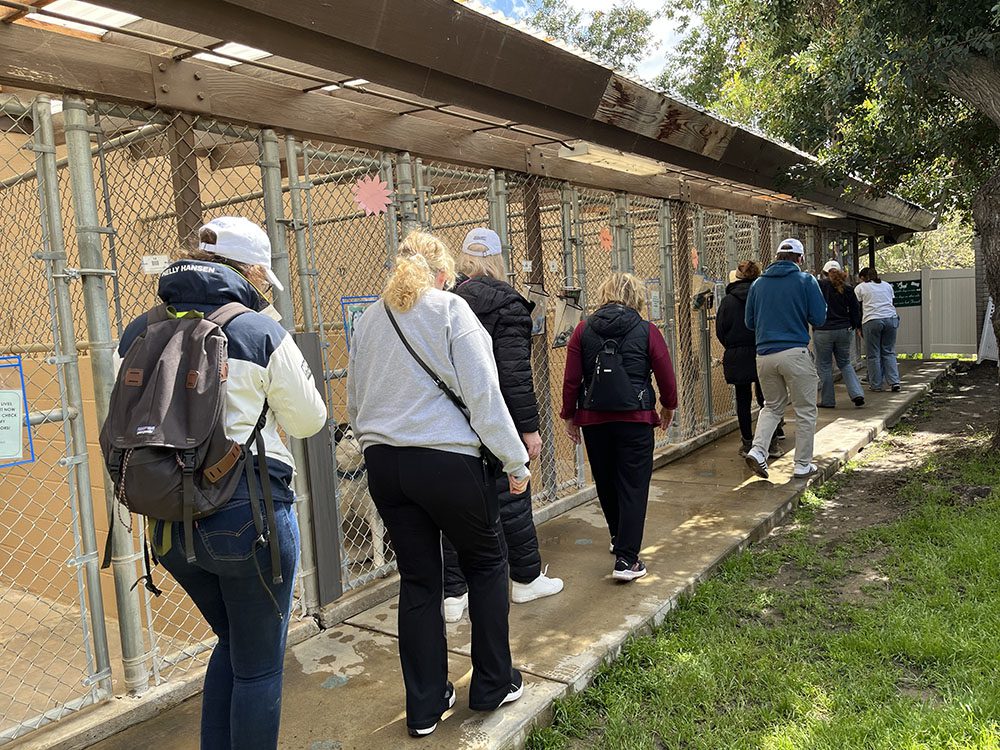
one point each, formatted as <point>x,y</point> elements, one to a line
<point>977,82</point>
<point>986,214</point>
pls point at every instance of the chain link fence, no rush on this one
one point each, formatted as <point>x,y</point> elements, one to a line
<point>97,198</point>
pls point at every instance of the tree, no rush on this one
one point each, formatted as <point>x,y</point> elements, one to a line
<point>618,37</point>
<point>905,95</point>
<point>948,246</point>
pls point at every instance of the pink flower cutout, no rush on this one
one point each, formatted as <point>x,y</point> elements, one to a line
<point>605,236</point>
<point>372,195</point>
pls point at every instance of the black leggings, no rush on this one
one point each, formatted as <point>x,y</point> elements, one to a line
<point>744,405</point>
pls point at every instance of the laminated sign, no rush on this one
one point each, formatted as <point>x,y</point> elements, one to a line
<point>15,431</point>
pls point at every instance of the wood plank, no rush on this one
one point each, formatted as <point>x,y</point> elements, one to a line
<point>56,28</point>
<point>9,15</point>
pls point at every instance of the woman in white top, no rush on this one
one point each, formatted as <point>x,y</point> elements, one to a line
<point>426,475</point>
<point>879,324</point>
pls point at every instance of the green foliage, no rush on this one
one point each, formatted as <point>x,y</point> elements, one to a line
<point>948,246</point>
<point>618,37</point>
<point>865,84</point>
<point>886,640</point>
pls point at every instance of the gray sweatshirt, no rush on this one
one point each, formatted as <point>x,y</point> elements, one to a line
<point>393,401</point>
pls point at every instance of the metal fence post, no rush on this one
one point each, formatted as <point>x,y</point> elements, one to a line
<point>298,225</point>
<point>580,244</point>
<point>621,257</point>
<point>391,221</point>
<point>669,296</point>
<point>405,195</point>
<point>755,241</point>
<point>274,218</point>
<point>570,249</point>
<point>732,259</point>
<point>705,330</point>
<point>503,220</point>
<point>67,359</point>
<point>95,297</point>
<point>423,191</point>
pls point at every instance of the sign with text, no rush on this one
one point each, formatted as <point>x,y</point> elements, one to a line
<point>15,430</point>
<point>907,293</point>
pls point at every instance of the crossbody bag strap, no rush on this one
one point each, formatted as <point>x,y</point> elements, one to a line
<point>433,375</point>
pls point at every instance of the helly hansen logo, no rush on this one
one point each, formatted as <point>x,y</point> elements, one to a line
<point>147,429</point>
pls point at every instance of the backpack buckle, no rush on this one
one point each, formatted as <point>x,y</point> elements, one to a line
<point>188,459</point>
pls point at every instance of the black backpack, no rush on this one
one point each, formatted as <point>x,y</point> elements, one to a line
<point>164,441</point>
<point>610,388</point>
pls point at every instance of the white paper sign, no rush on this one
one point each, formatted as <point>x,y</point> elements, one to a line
<point>155,264</point>
<point>11,425</point>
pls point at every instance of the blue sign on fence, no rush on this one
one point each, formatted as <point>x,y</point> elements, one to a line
<point>16,445</point>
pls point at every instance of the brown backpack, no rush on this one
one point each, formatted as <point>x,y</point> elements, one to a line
<point>164,441</point>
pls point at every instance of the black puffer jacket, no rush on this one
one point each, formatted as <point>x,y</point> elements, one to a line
<point>739,363</point>
<point>506,316</point>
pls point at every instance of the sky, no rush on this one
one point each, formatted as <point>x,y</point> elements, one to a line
<point>662,30</point>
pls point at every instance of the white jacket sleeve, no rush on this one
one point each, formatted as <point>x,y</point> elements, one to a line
<point>291,392</point>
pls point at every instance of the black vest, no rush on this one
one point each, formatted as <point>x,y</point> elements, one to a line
<point>626,326</point>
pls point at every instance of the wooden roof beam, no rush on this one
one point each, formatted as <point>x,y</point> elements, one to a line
<point>31,58</point>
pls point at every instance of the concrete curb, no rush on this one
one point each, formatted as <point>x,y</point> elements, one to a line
<point>755,535</point>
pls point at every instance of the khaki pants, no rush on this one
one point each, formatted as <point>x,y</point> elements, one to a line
<point>788,375</point>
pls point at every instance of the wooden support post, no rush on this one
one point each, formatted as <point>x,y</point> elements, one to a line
<point>184,176</point>
<point>540,350</point>
<point>855,254</point>
<point>871,251</point>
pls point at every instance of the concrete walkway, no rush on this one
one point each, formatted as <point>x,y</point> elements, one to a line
<point>343,688</point>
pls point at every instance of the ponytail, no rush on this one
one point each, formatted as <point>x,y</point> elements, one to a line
<point>838,279</point>
<point>421,257</point>
<point>870,274</point>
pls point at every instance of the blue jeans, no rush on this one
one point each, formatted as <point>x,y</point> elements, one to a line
<point>880,343</point>
<point>241,707</point>
<point>830,345</point>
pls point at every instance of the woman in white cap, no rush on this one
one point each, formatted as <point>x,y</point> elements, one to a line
<point>832,340</point>
<point>506,316</point>
<point>231,580</point>
<point>424,400</point>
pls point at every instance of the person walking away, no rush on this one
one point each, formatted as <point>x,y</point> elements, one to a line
<point>832,340</point>
<point>879,326</point>
<point>739,362</point>
<point>226,565</point>
<point>781,306</point>
<point>506,316</point>
<point>608,393</point>
<point>426,473</point>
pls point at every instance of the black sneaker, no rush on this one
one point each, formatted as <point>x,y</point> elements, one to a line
<point>774,449</point>
<point>625,572</point>
<point>826,406</point>
<point>516,691</point>
<point>611,547</point>
<point>895,388</point>
<point>780,432</point>
<point>745,446</point>
<point>450,693</point>
<point>859,401</point>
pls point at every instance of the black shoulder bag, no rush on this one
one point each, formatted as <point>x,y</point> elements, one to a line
<point>494,465</point>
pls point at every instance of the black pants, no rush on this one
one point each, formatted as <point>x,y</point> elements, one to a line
<point>518,524</point>
<point>421,493</point>
<point>621,460</point>
<point>744,405</point>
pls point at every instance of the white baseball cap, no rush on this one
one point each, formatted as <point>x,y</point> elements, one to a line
<point>831,265</point>
<point>485,237</point>
<point>239,239</point>
<point>792,245</point>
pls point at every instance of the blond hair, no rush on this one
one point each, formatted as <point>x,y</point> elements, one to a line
<point>623,288</point>
<point>421,258</point>
<point>474,265</point>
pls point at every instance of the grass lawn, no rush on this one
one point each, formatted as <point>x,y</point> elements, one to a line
<point>871,621</point>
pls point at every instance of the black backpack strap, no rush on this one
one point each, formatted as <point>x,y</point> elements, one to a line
<point>266,534</point>
<point>437,381</point>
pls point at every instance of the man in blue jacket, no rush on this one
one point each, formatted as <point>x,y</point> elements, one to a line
<point>781,305</point>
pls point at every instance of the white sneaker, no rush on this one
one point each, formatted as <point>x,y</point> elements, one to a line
<point>542,586</point>
<point>757,462</point>
<point>454,607</point>
<point>804,470</point>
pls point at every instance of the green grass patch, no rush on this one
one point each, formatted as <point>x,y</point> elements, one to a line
<point>889,639</point>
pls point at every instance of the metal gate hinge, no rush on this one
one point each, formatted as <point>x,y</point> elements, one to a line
<point>270,164</point>
<point>102,346</point>
<point>61,359</point>
<point>76,273</point>
<point>92,129</point>
<point>39,149</point>
<point>67,461</point>
<point>81,560</point>
<point>48,256</point>
<point>104,674</point>
<point>97,230</point>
